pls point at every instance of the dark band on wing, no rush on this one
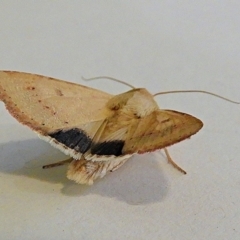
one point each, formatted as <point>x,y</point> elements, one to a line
<point>79,141</point>
<point>108,148</point>
<point>74,138</point>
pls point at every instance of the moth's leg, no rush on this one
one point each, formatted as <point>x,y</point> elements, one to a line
<point>172,162</point>
<point>57,163</point>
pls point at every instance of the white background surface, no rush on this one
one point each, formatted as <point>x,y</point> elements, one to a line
<point>159,45</point>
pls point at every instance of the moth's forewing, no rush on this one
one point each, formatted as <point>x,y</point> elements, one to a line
<point>46,104</point>
<point>50,106</point>
<point>160,129</point>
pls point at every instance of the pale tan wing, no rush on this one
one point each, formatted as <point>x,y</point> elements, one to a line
<point>46,104</point>
<point>160,129</point>
<point>127,135</point>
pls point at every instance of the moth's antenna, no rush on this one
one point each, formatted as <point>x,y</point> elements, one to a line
<point>197,91</point>
<point>110,78</point>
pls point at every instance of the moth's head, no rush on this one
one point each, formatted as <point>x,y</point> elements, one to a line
<point>138,101</point>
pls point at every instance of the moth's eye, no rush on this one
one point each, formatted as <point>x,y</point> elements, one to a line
<point>136,115</point>
<point>115,107</point>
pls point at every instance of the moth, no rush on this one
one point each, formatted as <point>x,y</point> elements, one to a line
<point>99,131</point>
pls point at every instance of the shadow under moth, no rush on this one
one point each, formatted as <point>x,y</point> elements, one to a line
<point>99,131</point>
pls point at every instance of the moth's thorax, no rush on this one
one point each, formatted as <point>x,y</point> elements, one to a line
<point>137,101</point>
